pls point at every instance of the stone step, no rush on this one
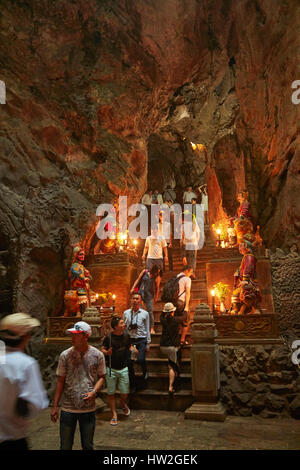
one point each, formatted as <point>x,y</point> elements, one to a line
<point>161,400</point>
<point>155,337</point>
<point>160,365</point>
<point>156,353</point>
<point>160,380</point>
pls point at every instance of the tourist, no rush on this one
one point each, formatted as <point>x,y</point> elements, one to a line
<point>81,373</point>
<point>169,194</point>
<point>153,250</point>
<point>116,348</point>
<point>170,342</point>
<point>157,198</point>
<point>147,198</point>
<point>183,302</point>
<point>138,326</point>
<point>165,231</point>
<point>22,394</point>
<point>189,244</point>
<point>147,285</point>
<point>204,201</point>
<point>188,195</point>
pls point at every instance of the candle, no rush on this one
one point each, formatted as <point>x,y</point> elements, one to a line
<point>219,237</point>
<point>114,299</point>
<point>213,299</point>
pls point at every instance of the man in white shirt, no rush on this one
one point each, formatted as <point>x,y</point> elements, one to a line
<point>22,393</point>
<point>189,244</point>
<point>153,250</point>
<point>188,195</point>
<point>165,231</point>
<point>147,198</point>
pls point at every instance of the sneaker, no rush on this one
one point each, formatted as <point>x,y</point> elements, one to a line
<point>126,410</point>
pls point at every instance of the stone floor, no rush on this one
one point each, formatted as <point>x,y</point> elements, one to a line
<point>164,430</point>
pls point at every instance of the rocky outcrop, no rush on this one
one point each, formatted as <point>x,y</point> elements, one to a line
<point>88,82</point>
<point>260,380</point>
<point>285,269</point>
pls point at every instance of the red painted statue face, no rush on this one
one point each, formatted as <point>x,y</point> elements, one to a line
<point>81,255</point>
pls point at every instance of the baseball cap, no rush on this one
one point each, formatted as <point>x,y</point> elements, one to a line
<point>16,325</point>
<point>80,327</point>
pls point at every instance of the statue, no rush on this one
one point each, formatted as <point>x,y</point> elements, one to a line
<point>246,294</point>
<point>77,299</point>
<point>231,233</point>
<point>242,223</point>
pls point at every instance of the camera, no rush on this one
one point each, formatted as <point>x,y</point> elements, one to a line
<point>132,326</point>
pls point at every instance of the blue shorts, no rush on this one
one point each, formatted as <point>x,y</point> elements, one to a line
<point>118,379</point>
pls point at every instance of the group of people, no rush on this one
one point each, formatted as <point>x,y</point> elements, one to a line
<point>82,370</point>
<point>196,195</point>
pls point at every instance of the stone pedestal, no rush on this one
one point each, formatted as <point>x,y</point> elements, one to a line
<point>93,318</point>
<point>205,368</point>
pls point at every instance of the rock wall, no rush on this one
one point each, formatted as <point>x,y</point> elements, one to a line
<point>258,379</point>
<point>285,270</point>
<point>88,82</point>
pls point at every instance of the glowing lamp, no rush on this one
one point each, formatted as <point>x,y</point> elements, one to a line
<point>213,299</point>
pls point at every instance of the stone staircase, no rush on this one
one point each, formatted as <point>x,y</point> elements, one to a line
<point>156,395</point>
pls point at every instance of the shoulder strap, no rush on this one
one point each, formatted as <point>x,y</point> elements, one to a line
<point>180,277</point>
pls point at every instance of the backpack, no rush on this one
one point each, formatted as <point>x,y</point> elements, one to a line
<point>170,291</point>
<point>142,283</point>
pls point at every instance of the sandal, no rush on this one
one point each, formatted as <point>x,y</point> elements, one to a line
<point>114,421</point>
<point>126,410</point>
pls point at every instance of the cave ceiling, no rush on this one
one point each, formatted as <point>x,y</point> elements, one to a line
<point>93,85</point>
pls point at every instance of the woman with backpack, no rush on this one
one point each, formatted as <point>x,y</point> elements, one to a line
<point>147,285</point>
<point>170,342</point>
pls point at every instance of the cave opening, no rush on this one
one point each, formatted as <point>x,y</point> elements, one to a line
<point>174,161</point>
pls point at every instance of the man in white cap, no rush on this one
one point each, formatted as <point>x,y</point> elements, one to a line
<point>22,393</point>
<point>81,372</point>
